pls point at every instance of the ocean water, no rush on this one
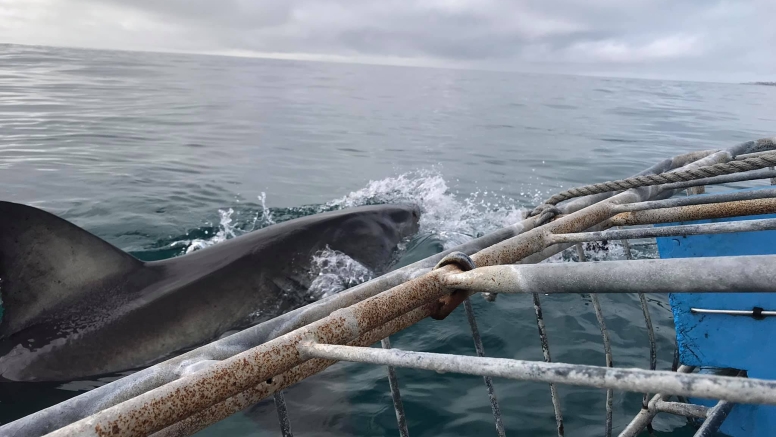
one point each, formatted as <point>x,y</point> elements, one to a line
<point>162,154</point>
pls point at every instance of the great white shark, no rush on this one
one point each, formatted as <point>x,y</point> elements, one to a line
<point>76,306</point>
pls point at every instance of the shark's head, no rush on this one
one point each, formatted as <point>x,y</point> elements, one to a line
<point>371,234</point>
<point>406,219</point>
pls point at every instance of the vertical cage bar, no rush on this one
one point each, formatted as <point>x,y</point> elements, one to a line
<point>645,416</point>
<point>548,359</point>
<point>393,382</point>
<point>280,406</point>
<point>714,420</point>
<point>648,321</point>
<point>481,353</point>
<point>607,346</point>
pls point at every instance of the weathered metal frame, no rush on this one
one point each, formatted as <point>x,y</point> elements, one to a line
<point>733,389</point>
<point>734,274</point>
<point>187,392</point>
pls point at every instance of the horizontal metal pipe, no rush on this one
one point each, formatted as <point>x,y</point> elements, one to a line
<point>724,179</point>
<point>695,212</point>
<point>740,390</point>
<point>668,231</point>
<point>682,409</point>
<point>755,273</point>
<point>697,200</point>
<point>733,312</point>
<point>753,154</point>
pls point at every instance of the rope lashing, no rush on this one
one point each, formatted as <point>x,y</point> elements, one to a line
<point>754,163</point>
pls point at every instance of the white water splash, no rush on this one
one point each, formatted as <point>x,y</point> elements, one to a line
<point>265,217</point>
<point>226,230</point>
<point>443,215</point>
<point>334,271</point>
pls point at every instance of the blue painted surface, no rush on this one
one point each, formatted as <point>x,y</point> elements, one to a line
<point>724,341</point>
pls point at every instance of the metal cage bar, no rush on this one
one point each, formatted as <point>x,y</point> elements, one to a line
<point>480,349</point>
<point>733,389</point>
<point>599,315</point>
<point>393,382</point>
<point>280,406</point>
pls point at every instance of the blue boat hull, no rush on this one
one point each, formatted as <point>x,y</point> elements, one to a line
<point>727,341</point>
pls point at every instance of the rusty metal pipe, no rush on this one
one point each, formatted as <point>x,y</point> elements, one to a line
<point>695,212</point>
<point>173,402</point>
<point>698,200</point>
<point>667,231</point>
<point>237,403</point>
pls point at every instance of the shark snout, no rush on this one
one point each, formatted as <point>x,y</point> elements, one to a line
<point>406,219</point>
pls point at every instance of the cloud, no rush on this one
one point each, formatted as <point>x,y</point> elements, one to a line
<point>695,39</point>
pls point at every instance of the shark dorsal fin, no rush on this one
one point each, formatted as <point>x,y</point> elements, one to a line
<point>46,261</point>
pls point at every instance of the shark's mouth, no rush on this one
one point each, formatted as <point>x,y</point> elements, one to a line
<point>333,271</point>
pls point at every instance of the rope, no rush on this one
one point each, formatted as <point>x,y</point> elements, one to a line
<point>754,163</point>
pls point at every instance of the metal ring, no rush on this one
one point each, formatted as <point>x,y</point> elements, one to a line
<point>460,259</point>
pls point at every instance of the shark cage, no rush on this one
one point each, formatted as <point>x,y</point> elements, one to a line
<point>716,263</point>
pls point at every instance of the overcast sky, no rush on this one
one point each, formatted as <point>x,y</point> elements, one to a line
<point>674,39</point>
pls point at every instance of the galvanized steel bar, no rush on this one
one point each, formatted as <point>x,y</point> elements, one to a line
<point>393,383</point>
<point>724,179</point>
<point>645,416</point>
<point>667,231</point>
<point>739,390</point>
<point>681,409</point>
<point>697,200</point>
<point>750,313</point>
<point>547,359</point>
<point>716,417</point>
<point>280,406</point>
<point>752,155</point>
<point>647,321</point>
<point>480,349</point>
<point>237,403</point>
<point>599,315</point>
<point>695,212</point>
<point>751,273</point>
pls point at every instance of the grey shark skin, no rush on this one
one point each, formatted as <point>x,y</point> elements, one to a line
<point>76,306</point>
